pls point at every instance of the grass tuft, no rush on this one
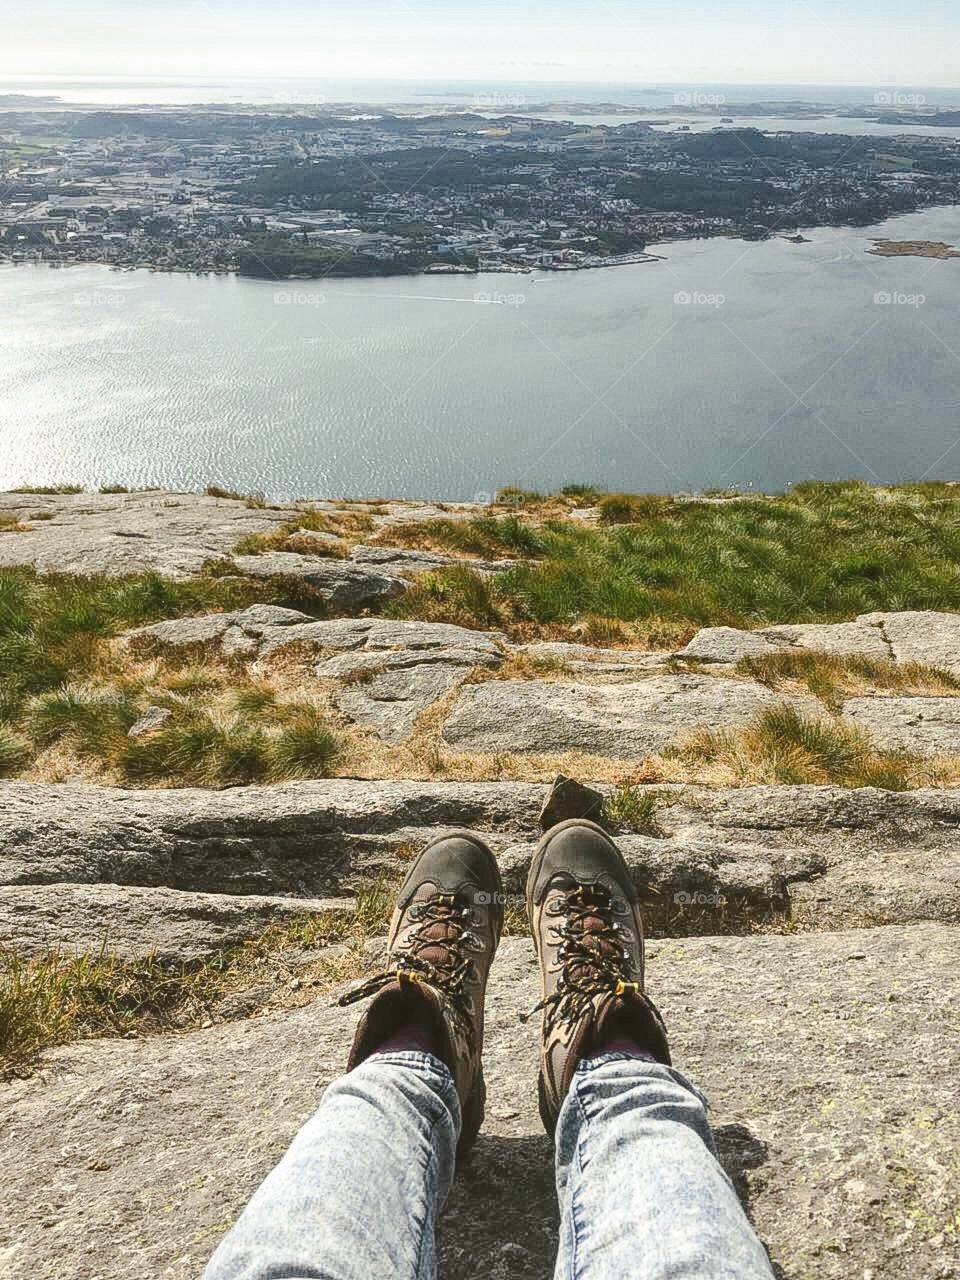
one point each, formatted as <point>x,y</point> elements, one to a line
<point>630,508</point>
<point>782,745</point>
<point>304,748</point>
<point>511,496</point>
<point>633,808</point>
<point>52,489</point>
<point>14,752</point>
<point>91,718</point>
<point>460,596</point>
<point>834,677</point>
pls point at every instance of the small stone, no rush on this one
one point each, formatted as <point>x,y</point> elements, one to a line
<point>152,719</point>
<point>857,955</point>
<point>568,798</point>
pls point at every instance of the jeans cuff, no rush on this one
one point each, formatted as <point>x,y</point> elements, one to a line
<point>601,1059</point>
<point>587,1065</point>
<point>415,1060</point>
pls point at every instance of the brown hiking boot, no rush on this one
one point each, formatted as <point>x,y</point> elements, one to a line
<point>443,937</point>
<point>587,930</point>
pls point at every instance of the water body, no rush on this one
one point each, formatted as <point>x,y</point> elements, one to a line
<point>479,94</point>
<point>754,364</point>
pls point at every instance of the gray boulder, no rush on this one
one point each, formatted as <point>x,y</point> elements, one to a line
<point>119,533</point>
<point>304,838</point>
<point>618,720</point>
<point>262,629</point>
<point>927,726</point>
<point>403,560</point>
<point>725,644</point>
<point>135,922</point>
<point>921,636</point>
<point>909,636</point>
<point>387,690</point>
<point>341,584</point>
<point>679,877</point>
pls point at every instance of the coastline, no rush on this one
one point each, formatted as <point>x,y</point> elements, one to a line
<point>787,232</point>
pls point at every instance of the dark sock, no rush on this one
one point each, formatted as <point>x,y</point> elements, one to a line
<point>410,1037</point>
<point>615,1037</point>
<point>621,1043</point>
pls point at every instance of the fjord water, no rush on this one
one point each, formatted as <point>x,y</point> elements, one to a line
<point>729,363</point>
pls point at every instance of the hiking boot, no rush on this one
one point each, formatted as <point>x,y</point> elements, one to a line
<point>588,934</point>
<point>443,936</point>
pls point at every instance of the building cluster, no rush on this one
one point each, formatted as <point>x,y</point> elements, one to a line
<point>196,190</point>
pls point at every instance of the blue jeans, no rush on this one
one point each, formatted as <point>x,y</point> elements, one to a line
<point>357,1195</point>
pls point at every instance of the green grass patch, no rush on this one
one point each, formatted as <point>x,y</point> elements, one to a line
<point>511,496</point>
<point>196,748</point>
<point>822,552</point>
<point>632,808</point>
<point>52,628</point>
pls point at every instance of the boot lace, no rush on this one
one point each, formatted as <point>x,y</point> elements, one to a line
<point>593,956</point>
<point>448,972</point>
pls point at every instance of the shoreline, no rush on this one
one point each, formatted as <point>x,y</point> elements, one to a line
<point>788,233</point>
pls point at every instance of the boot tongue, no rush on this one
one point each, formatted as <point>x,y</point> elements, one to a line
<point>439,936</point>
<point>589,927</point>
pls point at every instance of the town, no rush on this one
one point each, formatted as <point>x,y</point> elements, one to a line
<point>306,193</point>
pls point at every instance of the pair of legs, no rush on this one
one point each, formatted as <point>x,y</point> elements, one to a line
<point>641,1193</point>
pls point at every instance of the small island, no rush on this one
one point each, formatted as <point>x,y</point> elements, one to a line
<point>914,249</point>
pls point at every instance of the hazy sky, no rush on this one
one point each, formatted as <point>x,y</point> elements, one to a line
<point>875,42</point>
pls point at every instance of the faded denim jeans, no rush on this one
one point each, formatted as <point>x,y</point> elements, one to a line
<point>357,1195</point>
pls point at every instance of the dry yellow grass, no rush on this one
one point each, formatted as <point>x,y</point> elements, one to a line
<point>783,746</point>
<point>52,997</point>
<point>833,677</point>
